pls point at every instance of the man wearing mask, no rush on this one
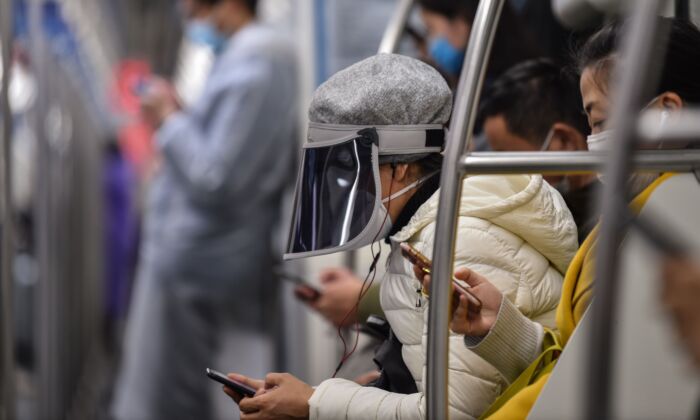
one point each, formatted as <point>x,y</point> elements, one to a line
<point>206,256</point>
<point>448,24</point>
<point>535,106</point>
<point>201,44</point>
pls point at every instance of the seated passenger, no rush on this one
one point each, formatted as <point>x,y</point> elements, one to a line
<point>500,325</point>
<point>516,229</point>
<point>534,106</point>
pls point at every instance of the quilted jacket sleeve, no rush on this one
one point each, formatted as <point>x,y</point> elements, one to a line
<point>473,382</point>
<point>504,259</point>
<point>343,399</point>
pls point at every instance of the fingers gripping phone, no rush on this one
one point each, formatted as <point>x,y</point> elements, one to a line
<point>299,282</point>
<point>239,387</point>
<point>424,263</point>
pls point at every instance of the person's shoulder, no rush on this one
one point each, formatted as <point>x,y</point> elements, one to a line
<point>260,40</point>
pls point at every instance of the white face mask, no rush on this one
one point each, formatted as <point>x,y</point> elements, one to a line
<point>600,142</point>
<point>383,214</point>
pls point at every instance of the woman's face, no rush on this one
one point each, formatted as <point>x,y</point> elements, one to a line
<point>595,99</point>
<point>596,103</point>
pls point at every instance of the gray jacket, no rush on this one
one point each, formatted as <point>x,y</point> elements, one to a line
<point>225,163</point>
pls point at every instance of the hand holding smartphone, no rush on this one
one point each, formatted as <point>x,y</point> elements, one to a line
<point>424,263</point>
<point>238,387</point>
<point>313,293</point>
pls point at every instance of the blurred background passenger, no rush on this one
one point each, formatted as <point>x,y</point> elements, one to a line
<point>536,106</point>
<point>213,205</point>
<point>448,24</point>
<point>201,43</point>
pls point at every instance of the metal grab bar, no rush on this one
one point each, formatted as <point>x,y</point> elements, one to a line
<point>395,28</point>
<point>575,162</point>
<point>637,72</point>
<point>7,374</point>
<point>464,116</point>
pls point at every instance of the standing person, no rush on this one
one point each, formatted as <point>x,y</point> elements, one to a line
<point>212,208</point>
<point>200,46</point>
<point>536,105</point>
<point>449,24</point>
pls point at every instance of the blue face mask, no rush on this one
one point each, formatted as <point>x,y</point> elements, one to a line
<point>449,58</point>
<point>203,32</point>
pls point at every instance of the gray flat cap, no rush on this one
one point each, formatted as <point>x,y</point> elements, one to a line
<point>386,89</point>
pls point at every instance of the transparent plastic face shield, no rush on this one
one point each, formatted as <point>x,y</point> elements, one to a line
<point>337,205</point>
<point>336,195</point>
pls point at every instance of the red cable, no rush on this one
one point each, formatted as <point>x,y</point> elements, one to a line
<point>364,289</point>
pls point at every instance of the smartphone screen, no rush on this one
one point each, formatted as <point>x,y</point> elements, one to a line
<point>420,260</point>
<point>240,388</point>
<point>315,293</point>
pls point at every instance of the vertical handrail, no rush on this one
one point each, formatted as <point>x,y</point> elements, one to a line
<point>47,371</point>
<point>7,370</point>
<point>464,117</point>
<point>397,26</point>
<point>638,70</point>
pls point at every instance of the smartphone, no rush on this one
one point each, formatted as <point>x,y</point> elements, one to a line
<point>424,263</point>
<point>239,387</point>
<point>299,282</point>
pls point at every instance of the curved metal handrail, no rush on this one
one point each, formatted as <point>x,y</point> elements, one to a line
<point>558,163</point>
<point>636,73</point>
<point>467,99</point>
<point>7,377</point>
<point>396,27</point>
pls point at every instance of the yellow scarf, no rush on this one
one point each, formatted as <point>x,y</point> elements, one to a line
<point>577,290</point>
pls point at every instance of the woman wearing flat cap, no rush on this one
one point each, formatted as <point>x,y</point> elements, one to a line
<point>370,171</point>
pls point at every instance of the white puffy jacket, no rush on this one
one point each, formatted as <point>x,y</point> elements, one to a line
<point>514,230</point>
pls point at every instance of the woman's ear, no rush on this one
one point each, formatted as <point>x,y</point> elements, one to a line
<point>670,101</point>
<point>400,172</point>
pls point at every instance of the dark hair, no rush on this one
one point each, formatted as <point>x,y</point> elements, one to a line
<point>512,43</point>
<point>681,65</point>
<point>252,5</point>
<point>451,9</point>
<point>532,96</point>
<point>430,163</point>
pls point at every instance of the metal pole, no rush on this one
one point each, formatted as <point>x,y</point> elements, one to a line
<point>45,324</point>
<point>464,115</point>
<point>7,368</point>
<point>575,162</point>
<point>635,73</point>
<point>397,25</point>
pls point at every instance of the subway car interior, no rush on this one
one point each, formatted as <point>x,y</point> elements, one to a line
<point>349,209</point>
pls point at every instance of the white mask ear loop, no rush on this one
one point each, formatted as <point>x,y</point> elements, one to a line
<point>409,186</point>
